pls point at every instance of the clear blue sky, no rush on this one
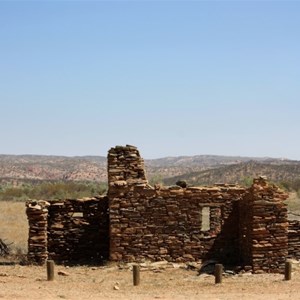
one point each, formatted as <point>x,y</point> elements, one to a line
<point>171,77</point>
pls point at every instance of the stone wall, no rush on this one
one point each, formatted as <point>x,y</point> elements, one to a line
<point>247,226</point>
<point>135,222</point>
<point>70,231</point>
<point>269,227</point>
<point>125,166</point>
<point>165,223</point>
<point>37,214</point>
<point>294,239</point>
<point>264,227</point>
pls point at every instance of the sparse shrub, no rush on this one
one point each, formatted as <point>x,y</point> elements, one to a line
<point>156,179</point>
<point>247,181</point>
<point>52,190</point>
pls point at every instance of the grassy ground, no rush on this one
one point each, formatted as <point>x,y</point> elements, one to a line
<point>14,225</point>
<point>293,206</point>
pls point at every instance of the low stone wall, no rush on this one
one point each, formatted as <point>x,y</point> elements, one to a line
<point>294,239</point>
<point>70,231</point>
<point>78,230</point>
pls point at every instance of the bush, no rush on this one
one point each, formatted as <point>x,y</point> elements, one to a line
<point>52,190</point>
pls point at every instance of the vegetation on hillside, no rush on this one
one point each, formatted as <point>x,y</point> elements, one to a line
<point>51,190</point>
<point>50,177</point>
<point>292,185</point>
<point>285,175</point>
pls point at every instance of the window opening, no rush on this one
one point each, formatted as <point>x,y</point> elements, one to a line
<point>205,218</point>
<point>77,215</point>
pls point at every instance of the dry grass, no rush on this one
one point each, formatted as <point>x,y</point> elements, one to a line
<point>293,203</point>
<point>14,225</point>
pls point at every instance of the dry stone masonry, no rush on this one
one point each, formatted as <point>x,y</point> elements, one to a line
<point>294,239</point>
<point>264,227</point>
<point>37,213</point>
<point>73,231</point>
<point>165,223</point>
<point>237,226</point>
<point>125,166</point>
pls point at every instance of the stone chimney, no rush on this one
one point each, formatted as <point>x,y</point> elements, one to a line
<point>125,167</point>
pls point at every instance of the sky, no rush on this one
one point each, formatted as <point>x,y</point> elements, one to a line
<point>170,77</point>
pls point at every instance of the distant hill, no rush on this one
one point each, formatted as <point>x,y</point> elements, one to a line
<point>181,166</point>
<point>36,167</point>
<point>276,171</point>
<point>199,169</point>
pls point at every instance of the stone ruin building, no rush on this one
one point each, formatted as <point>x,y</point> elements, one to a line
<point>134,222</point>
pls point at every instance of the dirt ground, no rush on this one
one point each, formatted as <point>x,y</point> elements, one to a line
<point>161,282</point>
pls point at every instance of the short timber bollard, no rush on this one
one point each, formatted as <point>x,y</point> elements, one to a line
<point>136,275</point>
<point>288,271</point>
<point>50,270</point>
<point>218,273</point>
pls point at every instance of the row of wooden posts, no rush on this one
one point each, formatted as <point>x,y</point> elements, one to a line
<point>136,272</point>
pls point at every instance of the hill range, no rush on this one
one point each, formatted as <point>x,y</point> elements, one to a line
<point>196,170</point>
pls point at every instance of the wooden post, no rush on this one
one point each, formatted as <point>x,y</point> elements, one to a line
<point>50,270</point>
<point>136,275</point>
<point>288,270</point>
<point>218,273</point>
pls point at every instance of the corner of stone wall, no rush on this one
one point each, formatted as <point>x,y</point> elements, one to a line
<point>126,174</point>
<point>268,228</point>
<point>37,215</point>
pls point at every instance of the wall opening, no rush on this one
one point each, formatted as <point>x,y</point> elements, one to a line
<point>205,218</point>
<point>77,215</point>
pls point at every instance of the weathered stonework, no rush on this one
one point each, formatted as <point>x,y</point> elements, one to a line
<point>294,239</point>
<point>37,213</point>
<point>165,224</point>
<point>264,227</point>
<point>136,222</point>
<point>73,231</point>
